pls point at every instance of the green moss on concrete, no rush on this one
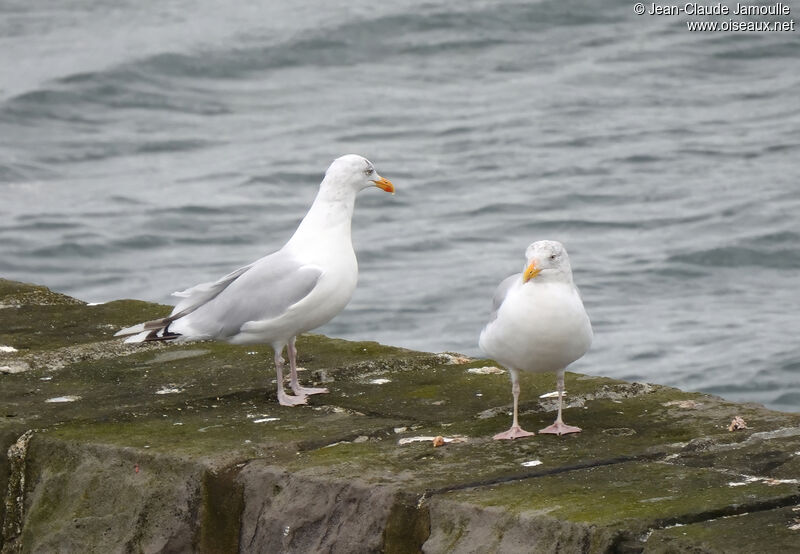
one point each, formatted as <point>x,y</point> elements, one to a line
<point>767,454</point>
<point>107,500</point>
<point>14,498</point>
<point>765,531</point>
<point>223,503</point>
<point>33,318</point>
<point>40,327</point>
<point>216,419</point>
<point>632,495</point>
<point>7,438</point>
<point>651,430</point>
<point>407,527</point>
<point>609,508</point>
<point>15,294</point>
<point>223,431</point>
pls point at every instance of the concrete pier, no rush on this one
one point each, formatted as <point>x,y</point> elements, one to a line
<point>106,447</point>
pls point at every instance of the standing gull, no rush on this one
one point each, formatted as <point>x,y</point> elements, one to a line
<point>298,288</point>
<point>538,324</point>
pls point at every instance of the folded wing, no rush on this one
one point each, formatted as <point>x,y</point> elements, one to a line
<point>500,294</point>
<point>262,290</point>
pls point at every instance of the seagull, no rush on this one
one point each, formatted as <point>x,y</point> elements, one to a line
<point>538,324</point>
<point>294,290</point>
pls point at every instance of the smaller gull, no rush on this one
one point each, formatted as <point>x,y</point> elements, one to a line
<point>294,290</point>
<point>538,324</point>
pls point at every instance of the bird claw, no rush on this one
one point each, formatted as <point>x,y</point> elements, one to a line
<point>516,432</point>
<point>559,428</point>
<point>291,400</point>
<point>308,391</point>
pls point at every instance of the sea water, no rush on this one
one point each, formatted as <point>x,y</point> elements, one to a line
<point>148,146</point>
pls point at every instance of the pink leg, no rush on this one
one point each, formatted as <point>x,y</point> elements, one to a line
<point>516,431</point>
<point>559,427</point>
<point>283,398</point>
<point>294,383</point>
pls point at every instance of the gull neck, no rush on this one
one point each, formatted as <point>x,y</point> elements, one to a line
<point>329,216</point>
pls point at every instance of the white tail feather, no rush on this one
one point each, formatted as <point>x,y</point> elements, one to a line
<point>137,338</point>
<point>193,298</point>
<point>133,330</point>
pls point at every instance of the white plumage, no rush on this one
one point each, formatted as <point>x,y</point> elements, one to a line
<point>298,288</point>
<point>538,324</point>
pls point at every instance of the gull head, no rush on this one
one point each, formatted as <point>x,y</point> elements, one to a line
<point>547,259</point>
<point>355,173</point>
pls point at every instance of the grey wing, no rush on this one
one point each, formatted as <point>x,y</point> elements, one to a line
<point>196,296</point>
<point>193,298</point>
<point>500,294</point>
<point>264,291</point>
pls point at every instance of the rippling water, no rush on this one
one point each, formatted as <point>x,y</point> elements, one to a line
<point>147,146</point>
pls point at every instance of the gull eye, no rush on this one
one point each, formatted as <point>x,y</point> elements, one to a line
<point>369,171</point>
<point>552,256</point>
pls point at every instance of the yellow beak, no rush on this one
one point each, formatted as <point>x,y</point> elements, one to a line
<point>384,184</point>
<point>530,272</point>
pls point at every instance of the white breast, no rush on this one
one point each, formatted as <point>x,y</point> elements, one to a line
<point>539,327</point>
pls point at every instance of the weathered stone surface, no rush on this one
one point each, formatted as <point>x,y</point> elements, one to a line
<point>601,508</point>
<point>183,447</point>
<point>763,531</point>
<point>283,513</point>
<point>110,499</point>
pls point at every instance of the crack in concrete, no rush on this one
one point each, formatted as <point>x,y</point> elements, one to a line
<point>647,457</point>
<point>727,511</point>
<point>15,494</point>
<point>379,433</point>
<point>661,456</point>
